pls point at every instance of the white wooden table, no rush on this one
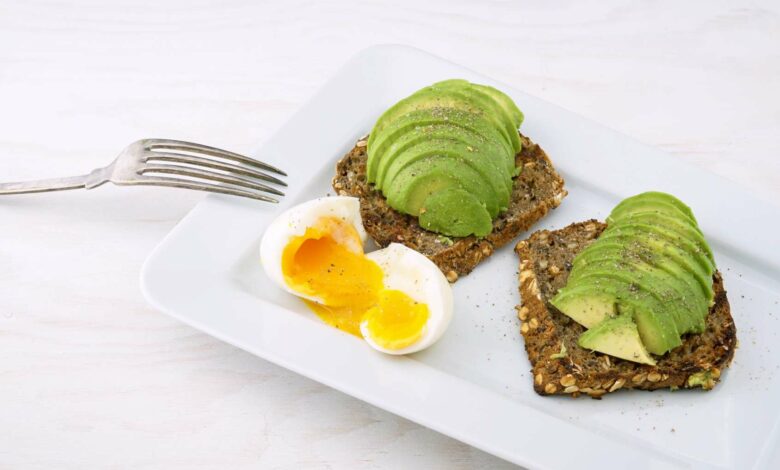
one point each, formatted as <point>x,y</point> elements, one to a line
<point>90,376</point>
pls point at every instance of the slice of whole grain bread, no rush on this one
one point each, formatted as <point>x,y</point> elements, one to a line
<point>537,190</point>
<point>560,366</point>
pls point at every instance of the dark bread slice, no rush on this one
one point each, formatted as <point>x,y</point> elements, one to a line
<point>560,366</point>
<point>536,190</point>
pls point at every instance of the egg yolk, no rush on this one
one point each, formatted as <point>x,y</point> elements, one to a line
<point>396,321</point>
<point>327,262</point>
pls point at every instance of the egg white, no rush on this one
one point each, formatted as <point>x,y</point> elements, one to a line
<point>294,222</point>
<point>418,277</point>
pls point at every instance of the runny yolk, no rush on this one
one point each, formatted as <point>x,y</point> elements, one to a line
<point>396,321</point>
<point>327,262</point>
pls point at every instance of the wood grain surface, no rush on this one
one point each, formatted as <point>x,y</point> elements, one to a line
<point>92,377</point>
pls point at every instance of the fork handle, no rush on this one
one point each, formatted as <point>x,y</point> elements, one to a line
<point>42,186</point>
<point>94,179</point>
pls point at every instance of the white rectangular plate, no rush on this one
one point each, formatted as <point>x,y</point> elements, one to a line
<point>475,385</point>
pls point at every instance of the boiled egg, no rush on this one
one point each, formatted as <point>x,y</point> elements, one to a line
<point>395,298</point>
<point>402,324</point>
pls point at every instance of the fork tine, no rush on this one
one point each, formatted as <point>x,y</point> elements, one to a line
<point>217,165</point>
<point>170,144</point>
<point>212,188</point>
<point>208,175</point>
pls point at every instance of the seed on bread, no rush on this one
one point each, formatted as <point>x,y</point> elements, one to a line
<point>568,380</point>
<point>522,313</point>
<point>653,376</point>
<point>639,378</point>
<point>617,385</point>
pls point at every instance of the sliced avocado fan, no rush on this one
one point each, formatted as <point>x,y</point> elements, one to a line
<point>446,155</point>
<point>649,271</point>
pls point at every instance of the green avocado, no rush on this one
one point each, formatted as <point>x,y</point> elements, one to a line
<point>650,198</point>
<point>509,122</point>
<point>446,155</point>
<point>455,212</point>
<point>686,305</point>
<point>682,227</point>
<point>657,329</point>
<point>617,337</point>
<point>648,229</point>
<point>677,222</point>
<point>422,178</point>
<point>380,145</point>
<point>586,304</point>
<point>445,97</point>
<point>639,206</point>
<point>676,285</point>
<point>671,257</point>
<point>446,140</point>
<point>657,326</point>
<point>450,157</point>
<point>503,100</point>
<point>651,263</point>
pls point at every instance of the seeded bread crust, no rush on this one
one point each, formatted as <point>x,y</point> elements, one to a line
<point>537,190</point>
<point>560,366</point>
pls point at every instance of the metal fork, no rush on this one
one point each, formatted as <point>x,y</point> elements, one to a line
<point>173,163</point>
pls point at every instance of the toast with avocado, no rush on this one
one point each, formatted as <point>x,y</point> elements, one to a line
<point>636,303</point>
<point>446,172</point>
<point>535,191</point>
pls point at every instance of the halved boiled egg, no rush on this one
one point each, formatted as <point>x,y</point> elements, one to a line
<point>415,307</point>
<point>395,298</point>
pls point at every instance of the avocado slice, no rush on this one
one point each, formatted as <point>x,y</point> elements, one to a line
<point>445,139</point>
<point>650,263</point>
<point>686,306</point>
<point>673,255</point>
<point>676,234</point>
<point>437,97</point>
<point>418,180</point>
<point>654,197</point>
<point>671,258</point>
<point>510,108</point>
<point>503,100</point>
<point>642,206</point>
<point>678,225</point>
<point>676,221</point>
<point>450,154</point>
<point>657,328</point>
<point>618,337</point>
<point>455,212</point>
<point>486,101</point>
<point>585,305</point>
<point>658,332</point>
<point>380,143</point>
